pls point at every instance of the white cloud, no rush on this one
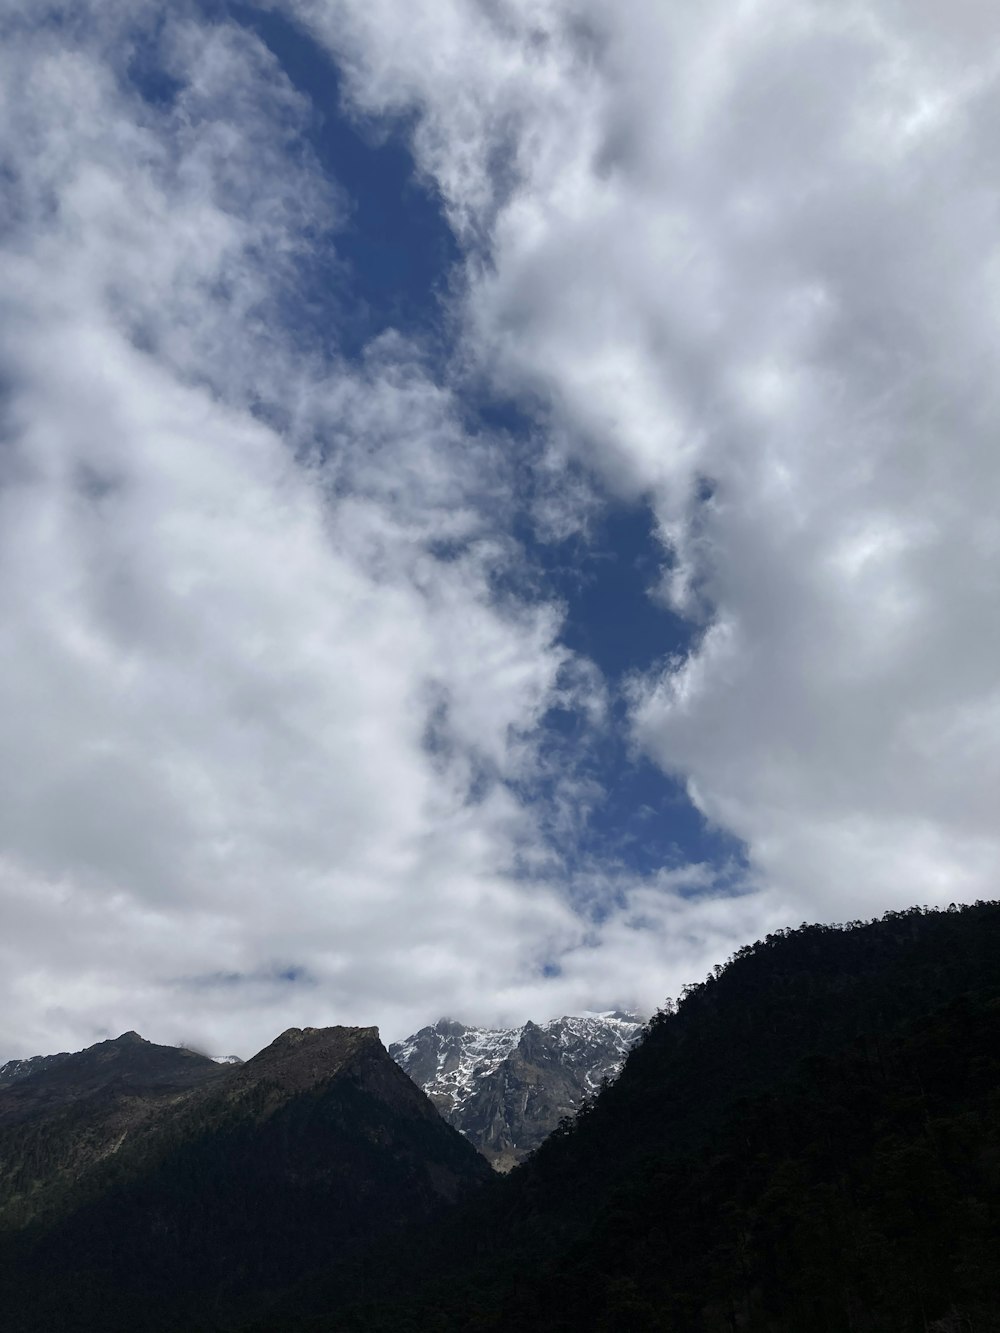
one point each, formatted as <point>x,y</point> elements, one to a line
<point>755,245</point>
<point>738,260</point>
<point>226,647</point>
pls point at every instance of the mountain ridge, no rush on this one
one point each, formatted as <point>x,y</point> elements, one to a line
<point>227,1183</point>
<point>66,1114</point>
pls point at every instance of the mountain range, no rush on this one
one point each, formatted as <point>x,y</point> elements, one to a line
<point>149,1187</point>
<point>507,1089</point>
<point>808,1142</point>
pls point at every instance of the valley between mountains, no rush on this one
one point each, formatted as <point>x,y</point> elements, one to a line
<point>808,1141</point>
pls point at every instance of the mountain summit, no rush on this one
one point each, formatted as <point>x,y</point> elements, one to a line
<point>61,1116</point>
<point>506,1089</point>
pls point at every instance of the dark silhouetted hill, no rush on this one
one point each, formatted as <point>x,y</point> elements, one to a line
<point>232,1191</point>
<point>809,1143</point>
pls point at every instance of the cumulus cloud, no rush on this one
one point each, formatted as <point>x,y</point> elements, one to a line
<point>743,256</point>
<point>260,741</point>
<point>272,713</point>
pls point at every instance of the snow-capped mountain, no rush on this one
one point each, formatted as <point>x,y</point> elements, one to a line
<point>506,1089</point>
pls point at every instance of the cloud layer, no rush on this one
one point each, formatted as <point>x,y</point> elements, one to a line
<point>271,717</point>
<point>256,736</point>
<point>743,254</point>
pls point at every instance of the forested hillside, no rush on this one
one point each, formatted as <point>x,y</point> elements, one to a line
<point>809,1141</point>
<point>198,1195</point>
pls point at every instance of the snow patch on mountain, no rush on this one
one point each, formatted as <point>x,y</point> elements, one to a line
<point>450,1059</point>
<point>506,1088</point>
<point>14,1070</point>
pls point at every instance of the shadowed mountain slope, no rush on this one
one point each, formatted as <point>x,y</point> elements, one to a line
<point>810,1142</point>
<point>301,1156</point>
<point>63,1115</point>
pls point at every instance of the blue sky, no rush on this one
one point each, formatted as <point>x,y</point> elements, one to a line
<point>495,501</point>
<point>393,260</point>
<point>392,268</point>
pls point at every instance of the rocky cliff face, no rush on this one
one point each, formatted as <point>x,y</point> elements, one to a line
<point>506,1089</point>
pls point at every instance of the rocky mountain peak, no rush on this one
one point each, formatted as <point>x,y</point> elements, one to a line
<point>506,1089</point>
<point>449,1027</point>
<point>302,1058</point>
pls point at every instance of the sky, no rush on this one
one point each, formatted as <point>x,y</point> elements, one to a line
<point>498,500</point>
